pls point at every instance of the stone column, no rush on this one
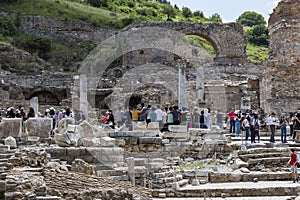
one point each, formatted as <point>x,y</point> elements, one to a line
<point>83,96</point>
<point>34,103</point>
<point>200,83</point>
<point>181,85</point>
<point>131,173</point>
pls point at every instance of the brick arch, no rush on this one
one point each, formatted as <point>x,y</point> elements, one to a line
<point>228,39</point>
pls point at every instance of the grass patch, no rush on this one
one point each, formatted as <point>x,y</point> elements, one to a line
<point>191,166</point>
<point>65,10</point>
<point>257,54</point>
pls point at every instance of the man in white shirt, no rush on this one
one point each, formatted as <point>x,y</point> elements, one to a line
<point>159,116</point>
<point>272,122</point>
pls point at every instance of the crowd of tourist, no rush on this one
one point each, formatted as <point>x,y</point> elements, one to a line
<point>253,122</point>
<point>20,112</point>
<point>165,116</point>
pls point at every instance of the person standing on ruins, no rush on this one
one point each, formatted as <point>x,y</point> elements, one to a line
<point>207,117</point>
<point>120,116</point>
<point>255,129</point>
<point>246,127</point>
<point>231,115</point>
<point>111,119</point>
<point>159,116</point>
<point>272,122</point>
<point>282,125</point>
<point>297,127</point>
<point>294,162</point>
<point>196,118</point>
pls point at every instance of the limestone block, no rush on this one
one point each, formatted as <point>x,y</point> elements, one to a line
<point>150,133</point>
<point>66,139</point>
<point>76,151</point>
<point>79,165</point>
<point>150,140</point>
<point>176,135</point>
<point>88,130</point>
<point>57,152</point>
<point>10,141</point>
<point>214,136</point>
<point>131,140</point>
<point>11,127</point>
<point>153,126</point>
<point>140,161</point>
<point>40,127</point>
<point>178,128</point>
<point>63,125</point>
<point>140,126</point>
<point>154,166</point>
<point>89,142</point>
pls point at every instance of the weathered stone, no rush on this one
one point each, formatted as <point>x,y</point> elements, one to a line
<point>150,140</point>
<point>79,165</point>
<point>10,141</point>
<point>11,127</point>
<point>40,127</point>
<point>178,128</point>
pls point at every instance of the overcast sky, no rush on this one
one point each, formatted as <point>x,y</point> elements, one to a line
<point>229,10</point>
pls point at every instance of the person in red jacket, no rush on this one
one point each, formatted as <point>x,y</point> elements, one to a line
<point>294,162</point>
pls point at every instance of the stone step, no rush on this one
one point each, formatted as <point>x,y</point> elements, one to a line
<point>109,173</point>
<point>48,198</point>
<point>245,157</point>
<point>3,175</point>
<point>163,174</point>
<point>180,183</point>
<point>218,177</point>
<point>170,179</point>
<point>261,150</point>
<point>240,189</point>
<point>6,155</point>
<point>270,162</point>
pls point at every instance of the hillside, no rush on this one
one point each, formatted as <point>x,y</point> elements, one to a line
<point>115,14</point>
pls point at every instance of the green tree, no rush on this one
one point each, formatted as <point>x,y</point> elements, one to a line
<point>215,18</point>
<point>169,11</point>
<point>258,35</point>
<point>251,18</point>
<point>198,13</point>
<point>186,12</point>
<point>7,26</point>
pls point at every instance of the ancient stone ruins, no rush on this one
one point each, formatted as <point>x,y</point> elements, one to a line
<point>145,62</point>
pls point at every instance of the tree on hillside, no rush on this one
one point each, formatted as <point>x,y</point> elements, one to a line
<point>169,11</point>
<point>186,12</point>
<point>215,18</point>
<point>250,18</point>
<point>258,35</point>
<point>198,13</point>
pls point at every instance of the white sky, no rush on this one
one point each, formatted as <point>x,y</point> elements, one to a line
<point>229,10</point>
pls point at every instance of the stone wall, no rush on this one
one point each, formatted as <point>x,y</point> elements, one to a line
<point>63,30</point>
<point>280,84</point>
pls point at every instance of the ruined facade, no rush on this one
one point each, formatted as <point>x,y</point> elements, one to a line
<point>116,68</point>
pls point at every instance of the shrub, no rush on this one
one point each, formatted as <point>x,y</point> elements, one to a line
<point>7,26</point>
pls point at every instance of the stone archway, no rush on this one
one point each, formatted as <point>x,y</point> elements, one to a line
<point>227,39</point>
